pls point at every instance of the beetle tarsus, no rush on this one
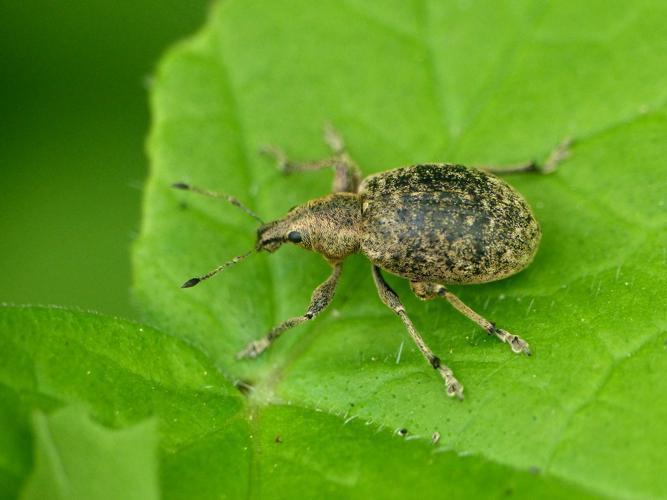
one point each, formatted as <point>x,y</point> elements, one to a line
<point>557,156</point>
<point>452,386</point>
<point>279,156</point>
<point>254,349</point>
<point>516,343</point>
<point>333,139</point>
<point>519,345</point>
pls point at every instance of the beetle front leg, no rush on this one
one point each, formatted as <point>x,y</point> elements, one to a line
<point>347,176</point>
<point>390,299</point>
<point>319,300</point>
<point>431,290</point>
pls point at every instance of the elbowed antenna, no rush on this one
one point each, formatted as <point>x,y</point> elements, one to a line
<point>194,281</point>
<point>231,199</point>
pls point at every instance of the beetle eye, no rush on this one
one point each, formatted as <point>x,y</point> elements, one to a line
<point>294,236</point>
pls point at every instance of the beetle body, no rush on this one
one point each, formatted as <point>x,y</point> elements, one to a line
<point>436,223</point>
<point>447,224</point>
<point>433,224</point>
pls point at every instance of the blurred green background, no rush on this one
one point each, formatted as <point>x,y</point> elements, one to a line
<point>74,120</point>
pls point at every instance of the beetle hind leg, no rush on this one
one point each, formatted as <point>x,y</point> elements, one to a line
<point>427,291</point>
<point>558,155</point>
<point>390,298</point>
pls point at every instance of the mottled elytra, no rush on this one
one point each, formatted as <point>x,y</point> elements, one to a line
<point>434,224</point>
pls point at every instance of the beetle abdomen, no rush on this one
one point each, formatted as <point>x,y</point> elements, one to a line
<point>446,223</point>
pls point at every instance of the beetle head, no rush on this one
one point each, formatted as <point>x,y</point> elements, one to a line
<point>327,225</point>
<point>293,228</point>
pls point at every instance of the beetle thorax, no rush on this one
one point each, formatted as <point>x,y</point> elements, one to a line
<point>334,223</point>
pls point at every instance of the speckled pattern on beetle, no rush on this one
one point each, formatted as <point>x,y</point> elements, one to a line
<point>434,224</point>
<point>446,223</point>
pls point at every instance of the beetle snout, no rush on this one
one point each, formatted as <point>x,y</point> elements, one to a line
<point>268,238</point>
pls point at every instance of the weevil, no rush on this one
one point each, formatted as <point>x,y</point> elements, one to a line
<point>434,224</point>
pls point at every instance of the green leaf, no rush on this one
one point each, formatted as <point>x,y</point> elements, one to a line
<point>301,453</point>
<point>210,445</point>
<point>477,83</point>
<point>121,373</point>
<point>77,458</point>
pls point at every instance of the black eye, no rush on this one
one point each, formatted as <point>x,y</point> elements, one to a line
<point>294,236</point>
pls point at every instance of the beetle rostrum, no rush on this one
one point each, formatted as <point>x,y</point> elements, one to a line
<point>434,224</point>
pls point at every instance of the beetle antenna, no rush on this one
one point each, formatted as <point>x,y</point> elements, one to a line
<point>231,199</point>
<point>194,281</point>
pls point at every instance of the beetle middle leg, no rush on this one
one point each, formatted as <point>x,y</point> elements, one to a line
<point>428,291</point>
<point>391,300</point>
<point>559,154</point>
<point>347,176</point>
<point>319,301</point>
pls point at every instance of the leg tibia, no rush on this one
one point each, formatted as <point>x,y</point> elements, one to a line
<point>559,154</point>
<point>392,301</point>
<point>431,290</point>
<point>319,300</point>
<point>347,176</point>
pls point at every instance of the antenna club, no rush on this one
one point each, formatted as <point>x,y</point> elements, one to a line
<point>190,283</point>
<point>180,185</point>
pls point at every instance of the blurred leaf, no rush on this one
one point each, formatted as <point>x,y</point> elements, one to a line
<point>472,82</point>
<point>122,374</point>
<point>77,458</point>
<point>73,123</point>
